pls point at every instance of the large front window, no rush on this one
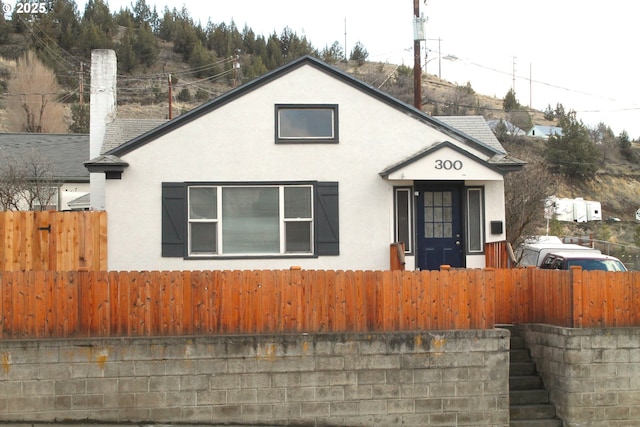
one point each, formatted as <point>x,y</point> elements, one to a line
<point>250,220</point>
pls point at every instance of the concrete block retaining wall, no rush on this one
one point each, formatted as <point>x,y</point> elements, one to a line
<point>435,378</point>
<point>593,375</point>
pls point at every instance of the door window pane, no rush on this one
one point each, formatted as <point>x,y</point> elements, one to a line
<point>428,198</point>
<point>428,230</point>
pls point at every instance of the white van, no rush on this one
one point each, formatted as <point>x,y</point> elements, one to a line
<point>533,251</point>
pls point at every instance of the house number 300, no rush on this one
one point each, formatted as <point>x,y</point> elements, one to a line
<point>449,164</point>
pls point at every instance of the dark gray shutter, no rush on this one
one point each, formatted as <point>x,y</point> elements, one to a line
<point>174,219</point>
<point>327,219</point>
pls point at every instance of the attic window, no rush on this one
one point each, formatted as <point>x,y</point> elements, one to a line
<point>306,123</point>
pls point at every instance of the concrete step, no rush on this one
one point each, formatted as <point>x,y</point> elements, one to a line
<point>517,356</point>
<point>520,369</point>
<point>532,412</point>
<point>517,342</point>
<point>525,382</point>
<point>536,423</point>
<point>528,397</point>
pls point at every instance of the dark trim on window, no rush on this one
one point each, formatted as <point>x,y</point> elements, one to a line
<point>333,139</point>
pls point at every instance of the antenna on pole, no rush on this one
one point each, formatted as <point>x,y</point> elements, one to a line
<point>345,40</point>
<point>418,36</point>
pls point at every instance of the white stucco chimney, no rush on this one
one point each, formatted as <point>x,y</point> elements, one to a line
<point>102,111</point>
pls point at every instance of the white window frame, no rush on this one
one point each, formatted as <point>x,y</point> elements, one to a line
<point>281,214</point>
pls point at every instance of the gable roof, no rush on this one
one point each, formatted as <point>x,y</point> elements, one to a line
<point>490,149</point>
<point>64,153</point>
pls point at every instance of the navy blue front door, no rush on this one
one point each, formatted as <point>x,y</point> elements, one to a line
<point>439,226</point>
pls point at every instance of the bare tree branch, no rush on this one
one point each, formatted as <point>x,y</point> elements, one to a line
<point>33,92</point>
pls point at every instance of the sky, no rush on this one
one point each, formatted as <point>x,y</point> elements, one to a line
<point>579,53</point>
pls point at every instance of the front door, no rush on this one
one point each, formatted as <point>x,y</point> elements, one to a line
<point>439,226</point>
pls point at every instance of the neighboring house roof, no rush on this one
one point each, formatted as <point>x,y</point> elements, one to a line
<point>540,131</point>
<point>65,153</point>
<point>510,127</point>
<point>479,137</point>
<point>476,127</point>
<point>81,203</point>
<point>120,131</point>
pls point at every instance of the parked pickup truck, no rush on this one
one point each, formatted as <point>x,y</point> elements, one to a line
<point>533,252</point>
<point>563,260</point>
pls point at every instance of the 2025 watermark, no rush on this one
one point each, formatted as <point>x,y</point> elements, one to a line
<point>27,7</point>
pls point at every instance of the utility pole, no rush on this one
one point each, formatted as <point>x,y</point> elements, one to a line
<point>513,85</point>
<point>417,69</point>
<point>81,89</point>
<point>530,86</point>
<point>170,96</point>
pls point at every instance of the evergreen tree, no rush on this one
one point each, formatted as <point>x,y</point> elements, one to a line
<point>510,102</point>
<point>201,59</point>
<point>549,113</point>
<point>127,59</point>
<point>624,144</point>
<point>359,54</point>
<point>79,118</point>
<point>166,25</point>
<point>145,45</point>
<point>332,54</point>
<point>573,153</point>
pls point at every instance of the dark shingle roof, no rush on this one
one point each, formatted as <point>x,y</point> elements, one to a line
<point>120,131</point>
<point>475,127</point>
<point>65,153</point>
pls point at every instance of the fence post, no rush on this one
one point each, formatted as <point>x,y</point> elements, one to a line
<point>396,255</point>
<point>575,296</point>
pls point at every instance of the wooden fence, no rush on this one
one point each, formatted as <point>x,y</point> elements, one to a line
<point>46,304</point>
<point>571,298</point>
<point>55,241</point>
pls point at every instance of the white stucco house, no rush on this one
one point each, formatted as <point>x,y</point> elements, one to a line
<point>305,166</point>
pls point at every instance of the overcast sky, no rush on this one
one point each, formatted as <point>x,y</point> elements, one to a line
<point>580,53</point>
